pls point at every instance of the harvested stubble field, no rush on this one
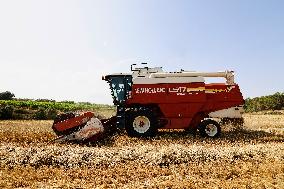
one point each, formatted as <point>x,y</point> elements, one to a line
<point>248,157</point>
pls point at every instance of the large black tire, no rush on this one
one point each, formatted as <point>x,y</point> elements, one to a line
<point>209,128</point>
<point>141,123</point>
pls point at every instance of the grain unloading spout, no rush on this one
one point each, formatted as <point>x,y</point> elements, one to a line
<point>228,75</point>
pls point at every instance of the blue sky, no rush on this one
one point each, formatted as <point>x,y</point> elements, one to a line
<point>59,49</point>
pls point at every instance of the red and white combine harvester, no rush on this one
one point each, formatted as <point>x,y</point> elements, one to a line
<point>150,99</point>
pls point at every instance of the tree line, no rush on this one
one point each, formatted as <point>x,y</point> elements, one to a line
<point>41,109</point>
<point>270,102</point>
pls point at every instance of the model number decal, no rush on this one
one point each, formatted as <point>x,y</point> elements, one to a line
<point>179,90</point>
<point>150,90</point>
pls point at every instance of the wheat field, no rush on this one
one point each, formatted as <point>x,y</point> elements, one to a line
<point>248,157</point>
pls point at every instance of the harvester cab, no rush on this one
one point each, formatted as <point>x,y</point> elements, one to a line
<point>120,86</point>
<point>149,99</point>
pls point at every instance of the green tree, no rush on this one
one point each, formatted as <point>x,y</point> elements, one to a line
<point>270,102</point>
<point>7,95</point>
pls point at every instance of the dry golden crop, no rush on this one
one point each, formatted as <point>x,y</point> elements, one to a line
<point>250,157</point>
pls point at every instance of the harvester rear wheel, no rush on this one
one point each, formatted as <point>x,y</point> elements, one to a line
<point>209,128</point>
<point>141,124</point>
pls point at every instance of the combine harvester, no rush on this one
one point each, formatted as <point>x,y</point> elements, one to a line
<point>150,99</point>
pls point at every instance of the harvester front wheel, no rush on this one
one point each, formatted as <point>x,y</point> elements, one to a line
<point>141,124</point>
<point>209,128</point>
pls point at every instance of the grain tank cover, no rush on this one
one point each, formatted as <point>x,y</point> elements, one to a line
<point>144,76</point>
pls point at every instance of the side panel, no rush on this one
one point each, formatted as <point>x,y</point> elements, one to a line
<point>234,112</point>
<point>178,123</point>
<point>222,97</point>
<point>178,102</point>
<point>180,115</point>
<point>180,110</point>
<point>181,102</point>
<point>171,93</point>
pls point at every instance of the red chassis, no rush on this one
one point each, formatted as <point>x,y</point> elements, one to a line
<point>184,105</point>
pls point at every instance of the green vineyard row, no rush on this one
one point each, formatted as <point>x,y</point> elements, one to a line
<point>61,106</point>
